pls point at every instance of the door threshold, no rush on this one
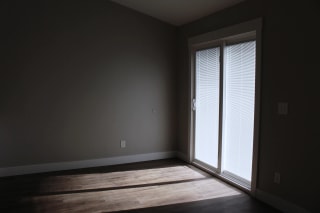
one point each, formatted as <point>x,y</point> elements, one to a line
<point>231,181</point>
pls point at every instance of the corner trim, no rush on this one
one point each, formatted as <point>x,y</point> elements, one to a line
<point>279,203</point>
<point>50,167</point>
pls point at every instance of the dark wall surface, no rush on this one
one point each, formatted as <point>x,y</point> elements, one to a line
<point>79,76</point>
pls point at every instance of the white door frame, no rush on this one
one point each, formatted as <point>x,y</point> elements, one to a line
<point>219,37</point>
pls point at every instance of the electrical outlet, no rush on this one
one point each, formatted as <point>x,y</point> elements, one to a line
<point>276,178</point>
<point>283,108</point>
<point>123,144</point>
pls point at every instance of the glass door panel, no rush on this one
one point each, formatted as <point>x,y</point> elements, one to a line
<point>207,83</point>
<point>238,108</point>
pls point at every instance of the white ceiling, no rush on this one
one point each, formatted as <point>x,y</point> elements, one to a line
<point>177,12</point>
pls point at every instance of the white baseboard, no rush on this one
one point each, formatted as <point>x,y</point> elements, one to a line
<point>50,167</point>
<point>182,156</point>
<point>279,203</point>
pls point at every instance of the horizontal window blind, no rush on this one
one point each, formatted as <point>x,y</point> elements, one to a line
<point>238,110</point>
<point>207,105</point>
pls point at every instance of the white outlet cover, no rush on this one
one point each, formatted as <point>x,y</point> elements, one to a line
<point>122,143</point>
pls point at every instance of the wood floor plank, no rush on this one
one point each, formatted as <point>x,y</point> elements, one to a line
<point>135,198</point>
<point>163,186</point>
<point>118,179</point>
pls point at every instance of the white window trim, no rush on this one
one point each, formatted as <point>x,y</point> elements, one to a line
<point>232,33</point>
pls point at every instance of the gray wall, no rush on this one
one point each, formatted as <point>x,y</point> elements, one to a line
<point>290,64</point>
<point>78,76</point>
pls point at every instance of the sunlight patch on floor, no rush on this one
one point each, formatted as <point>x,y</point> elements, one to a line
<point>118,179</point>
<point>135,198</point>
<point>127,190</point>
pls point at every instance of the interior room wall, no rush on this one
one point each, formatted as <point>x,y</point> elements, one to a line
<point>79,76</point>
<point>288,144</point>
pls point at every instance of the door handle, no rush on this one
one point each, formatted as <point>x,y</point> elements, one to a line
<point>194,104</point>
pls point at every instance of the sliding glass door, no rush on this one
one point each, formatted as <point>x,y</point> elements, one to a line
<point>223,109</point>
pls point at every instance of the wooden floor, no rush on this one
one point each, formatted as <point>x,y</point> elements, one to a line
<point>154,186</point>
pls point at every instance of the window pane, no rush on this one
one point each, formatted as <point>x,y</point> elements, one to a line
<point>238,116</point>
<point>207,109</point>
